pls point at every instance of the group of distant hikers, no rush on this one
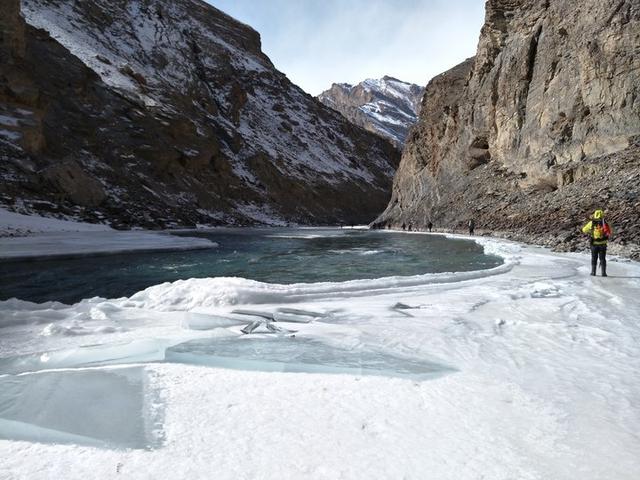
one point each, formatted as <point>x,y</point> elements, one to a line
<point>597,228</point>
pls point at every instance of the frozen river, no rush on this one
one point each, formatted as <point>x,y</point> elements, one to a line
<point>521,367</point>
<point>268,255</point>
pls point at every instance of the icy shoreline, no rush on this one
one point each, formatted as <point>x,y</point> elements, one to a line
<point>546,381</point>
<point>79,244</point>
<point>25,237</point>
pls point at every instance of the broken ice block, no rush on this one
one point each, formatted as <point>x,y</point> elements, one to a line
<point>112,408</point>
<point>206,321</point>
<point>141,351</point>
<point>299,354</point>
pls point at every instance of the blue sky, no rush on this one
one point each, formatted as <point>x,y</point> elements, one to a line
<point>319,42</point>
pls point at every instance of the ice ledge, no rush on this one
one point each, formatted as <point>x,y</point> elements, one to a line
<point>72,244</point>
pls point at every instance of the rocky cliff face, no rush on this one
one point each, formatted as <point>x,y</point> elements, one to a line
<point>388,106</point>
<point>160,113</point>
<point>539,128</point>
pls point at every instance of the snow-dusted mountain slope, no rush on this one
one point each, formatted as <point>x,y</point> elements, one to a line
<point>386,106</point>
<point>158,112</point>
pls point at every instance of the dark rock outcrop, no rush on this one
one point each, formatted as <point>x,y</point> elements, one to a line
<point>157,113</point>
<point>539,128</point>
<point>388,106</point>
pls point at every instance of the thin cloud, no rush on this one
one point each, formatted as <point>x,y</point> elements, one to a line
<point>319,42</point>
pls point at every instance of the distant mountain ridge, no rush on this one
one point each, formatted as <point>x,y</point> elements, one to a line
<point>388,107</point>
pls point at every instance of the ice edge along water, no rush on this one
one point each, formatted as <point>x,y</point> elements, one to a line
<point>546,386</point>
<point>31,236</point>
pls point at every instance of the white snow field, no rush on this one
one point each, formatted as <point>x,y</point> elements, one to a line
<point>530,370</point>
<point>25,236</point>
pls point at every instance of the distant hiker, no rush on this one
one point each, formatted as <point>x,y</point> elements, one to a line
<point>599,232</point>
<point>472,226</point>
<point>429,226</point>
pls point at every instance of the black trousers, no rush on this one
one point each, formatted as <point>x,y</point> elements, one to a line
<point>599,252</point>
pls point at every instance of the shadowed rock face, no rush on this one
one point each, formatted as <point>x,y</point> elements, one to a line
<point>388,106</point>
<point>158,113</point>
<point>536,130</point>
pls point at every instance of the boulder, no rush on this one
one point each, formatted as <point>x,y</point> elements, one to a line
<point>70,180</point>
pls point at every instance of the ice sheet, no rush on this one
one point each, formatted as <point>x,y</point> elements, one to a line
<point>147,350</point>
<point>299,354</point>
<point>203,321</point>
<point>61,244</point>
<point>27,236</point>
<point>104,408</point>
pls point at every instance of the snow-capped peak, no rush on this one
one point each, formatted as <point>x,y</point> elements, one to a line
<point>386,106</point>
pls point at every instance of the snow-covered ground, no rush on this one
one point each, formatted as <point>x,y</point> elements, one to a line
<point>17,224</point>
<point>25,236</point>
<point>528,371</point>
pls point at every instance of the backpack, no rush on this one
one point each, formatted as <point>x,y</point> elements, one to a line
<point>600,230</point>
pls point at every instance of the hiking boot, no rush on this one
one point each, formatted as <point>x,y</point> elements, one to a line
<point>593,273</point>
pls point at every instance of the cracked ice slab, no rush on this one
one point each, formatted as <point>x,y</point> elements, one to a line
<point>141,351</point>
<point>113,408</point>
<point>299,354</point>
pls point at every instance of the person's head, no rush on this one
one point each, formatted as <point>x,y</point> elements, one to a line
<point>598,215</point>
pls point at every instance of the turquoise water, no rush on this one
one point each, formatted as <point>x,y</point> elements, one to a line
<point>268,255</point>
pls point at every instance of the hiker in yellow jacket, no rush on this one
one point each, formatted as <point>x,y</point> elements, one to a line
<point>599,232</point>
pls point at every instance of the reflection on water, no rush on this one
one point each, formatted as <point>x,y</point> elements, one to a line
<point>269,255</point>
